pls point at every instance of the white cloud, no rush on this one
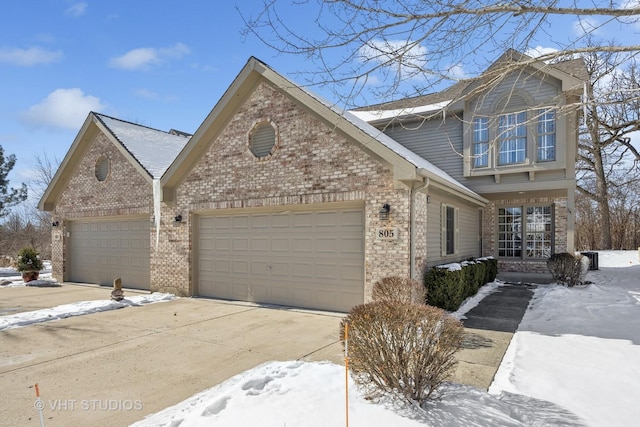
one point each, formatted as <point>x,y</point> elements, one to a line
<point>538,51</point>
<point>136,59</point>
<point>77,9</point>
<point>145,57</point>
<point>28,57</point>
<point>409,58</point>
<point>585,26</point>
<point>456,72</point>
<point>63,108</point>
<point>176,51</point>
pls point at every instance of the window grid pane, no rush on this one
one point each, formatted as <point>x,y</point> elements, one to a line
<point>481,142</point>
<point>538,229</point>
<point>512,135</point>
<point>546,135</point>
<point>510,232</point>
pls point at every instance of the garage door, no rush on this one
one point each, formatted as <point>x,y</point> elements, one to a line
<point>311,259</point>
<point>101,251</point>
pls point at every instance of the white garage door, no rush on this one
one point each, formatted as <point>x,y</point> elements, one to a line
<point>101,251</point>
<point>310,259</point>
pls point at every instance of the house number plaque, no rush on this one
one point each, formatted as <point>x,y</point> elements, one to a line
<point>387,233</point>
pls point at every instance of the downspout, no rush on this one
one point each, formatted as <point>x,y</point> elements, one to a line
<point>412,224</point>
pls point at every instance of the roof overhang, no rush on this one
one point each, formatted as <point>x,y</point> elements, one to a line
<point>90,129</point>
<point>247,80</point>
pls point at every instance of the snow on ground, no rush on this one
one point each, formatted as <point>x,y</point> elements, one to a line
<point>580,348</point>
<point>10,277</point>
<point>574,361</point>
<point>77,309</point>
<point>67,310</point>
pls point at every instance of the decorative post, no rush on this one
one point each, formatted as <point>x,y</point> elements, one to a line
<point>117,294</point>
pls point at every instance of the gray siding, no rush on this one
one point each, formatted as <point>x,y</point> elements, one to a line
<point>540,90</point>
<point>437,141</point>
<point>468,230</point>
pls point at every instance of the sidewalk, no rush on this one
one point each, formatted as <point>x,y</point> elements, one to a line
<point>489,328</point>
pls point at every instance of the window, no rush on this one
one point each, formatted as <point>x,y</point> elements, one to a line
<point>481,142</point>
<point>262,140</point>
<point>535,239</point>
<point>538,232</point>
<point>546,135</point>
<point>512,138</point>
<point>449,230</point>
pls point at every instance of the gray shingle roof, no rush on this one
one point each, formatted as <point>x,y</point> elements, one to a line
<point>154,149</point>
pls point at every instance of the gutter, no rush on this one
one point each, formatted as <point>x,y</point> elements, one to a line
<point>412,224</point>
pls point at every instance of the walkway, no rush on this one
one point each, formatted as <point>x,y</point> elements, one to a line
<point>489,328</point>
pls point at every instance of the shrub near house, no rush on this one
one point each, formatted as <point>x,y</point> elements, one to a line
<point>450,284</point>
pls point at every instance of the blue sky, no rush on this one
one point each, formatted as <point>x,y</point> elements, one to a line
<point>161,63</point>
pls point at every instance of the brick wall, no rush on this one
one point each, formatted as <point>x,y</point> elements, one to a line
<point>124,192</point>
<point>489,240</point>
<point>312,164</point>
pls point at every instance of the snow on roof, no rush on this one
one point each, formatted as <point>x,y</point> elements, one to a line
<point>154,149</point>
<point>373,115</point>
<point>401,150</point>
<point>413,158</point>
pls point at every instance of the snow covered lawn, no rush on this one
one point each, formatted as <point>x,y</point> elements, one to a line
<point>574,361</point>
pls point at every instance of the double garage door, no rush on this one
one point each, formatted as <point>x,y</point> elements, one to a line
<point>104,250</point>
<point>312,259</point>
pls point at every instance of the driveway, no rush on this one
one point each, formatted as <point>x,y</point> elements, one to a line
<point>115,367</point>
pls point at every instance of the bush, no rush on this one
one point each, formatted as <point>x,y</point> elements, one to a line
<point>449,285</point>
<point>445,287</point>
<point>405,350</point>
<point>566,268</point>
<point>399,289</point>
<point>28,260</point>
<point>491,269</point>
<point>477,271</point>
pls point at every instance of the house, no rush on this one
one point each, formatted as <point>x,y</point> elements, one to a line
<point>281,198</point>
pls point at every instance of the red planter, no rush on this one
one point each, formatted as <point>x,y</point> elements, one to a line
<point>28,276</point>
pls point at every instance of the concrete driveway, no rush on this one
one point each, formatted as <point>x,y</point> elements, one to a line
<point>113,368</point>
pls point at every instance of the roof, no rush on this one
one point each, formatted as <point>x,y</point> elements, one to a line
<point>154,149</point>
<point>150,151</point>
<point>406,165</point>
<point>432,102</point>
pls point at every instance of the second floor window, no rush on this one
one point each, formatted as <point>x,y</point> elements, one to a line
<point>481,142</point>
<point>512,138</point>
<point>546,135</point>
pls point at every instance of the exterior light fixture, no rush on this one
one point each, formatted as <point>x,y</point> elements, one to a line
<point>178,218</point>
<point>55,224</point>
<point>384,212</point>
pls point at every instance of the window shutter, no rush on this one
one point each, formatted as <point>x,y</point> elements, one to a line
<point>443,234</point>
<point>456,233</point>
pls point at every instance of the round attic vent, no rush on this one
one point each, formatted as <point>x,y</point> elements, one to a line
<point>262,139</point>
<point>102,168</point>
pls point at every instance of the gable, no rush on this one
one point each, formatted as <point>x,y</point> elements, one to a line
<point>407,167</point>
<point>309,157</point>
<point>518,91</point>
<point>123,187</point>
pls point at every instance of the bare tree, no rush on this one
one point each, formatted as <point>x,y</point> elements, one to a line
<point>608,164</point>
<point>25,225</point>
<point>416,44</point>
